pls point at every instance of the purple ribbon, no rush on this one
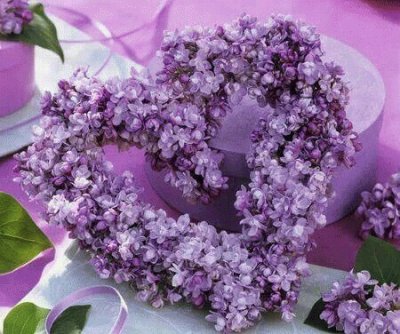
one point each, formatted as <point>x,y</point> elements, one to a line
<point>87,292</point>
<point>160,14</point>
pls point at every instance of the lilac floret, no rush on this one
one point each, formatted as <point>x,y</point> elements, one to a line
<point>14,14</point>
<point>361,305</point>
<point>380,210</point>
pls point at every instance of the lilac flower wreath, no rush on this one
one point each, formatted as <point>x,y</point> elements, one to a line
<point>294,153</point>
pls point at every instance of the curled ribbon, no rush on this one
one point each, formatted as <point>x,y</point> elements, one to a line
<point>158,19</point>
<point>87,292</point>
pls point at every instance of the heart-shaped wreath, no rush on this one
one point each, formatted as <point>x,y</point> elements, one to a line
<point>295,150</point>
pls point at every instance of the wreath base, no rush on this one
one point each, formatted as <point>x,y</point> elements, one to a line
<point>365,111</point>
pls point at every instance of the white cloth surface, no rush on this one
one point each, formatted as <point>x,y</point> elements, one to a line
<point>70,271</point>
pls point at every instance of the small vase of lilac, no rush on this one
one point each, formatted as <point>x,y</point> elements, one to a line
<point>367,300</point>
<point>29,24</point>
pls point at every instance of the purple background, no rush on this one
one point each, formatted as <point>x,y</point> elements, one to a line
<point>372,27</point>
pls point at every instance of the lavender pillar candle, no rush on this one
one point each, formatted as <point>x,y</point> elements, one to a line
<point>17,84</point>
<point>365,111</point>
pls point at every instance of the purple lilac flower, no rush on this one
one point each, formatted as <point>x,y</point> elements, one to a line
<point>172,117</point>
<point>361,305</point>
<point>14,14</point>
<point>380,210</point>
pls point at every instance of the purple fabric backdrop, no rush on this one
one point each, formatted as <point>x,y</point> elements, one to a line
<point>372,27</point>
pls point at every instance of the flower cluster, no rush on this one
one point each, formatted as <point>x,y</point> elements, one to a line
<point>380,210</point>
<point>276,63</point>
<point>172,117</point>
<point>14,14</point>
<point>361,305</point>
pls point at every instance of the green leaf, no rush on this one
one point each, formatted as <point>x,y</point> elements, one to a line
<point>25,318</point>
<point>71,321</point>
<point>381,259</point>
<point>20,239</point>
<point>315,321</point>
<point>40,31</point>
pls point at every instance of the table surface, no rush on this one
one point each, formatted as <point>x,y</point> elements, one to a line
<point>372,27</point>
<point>70,271</point>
